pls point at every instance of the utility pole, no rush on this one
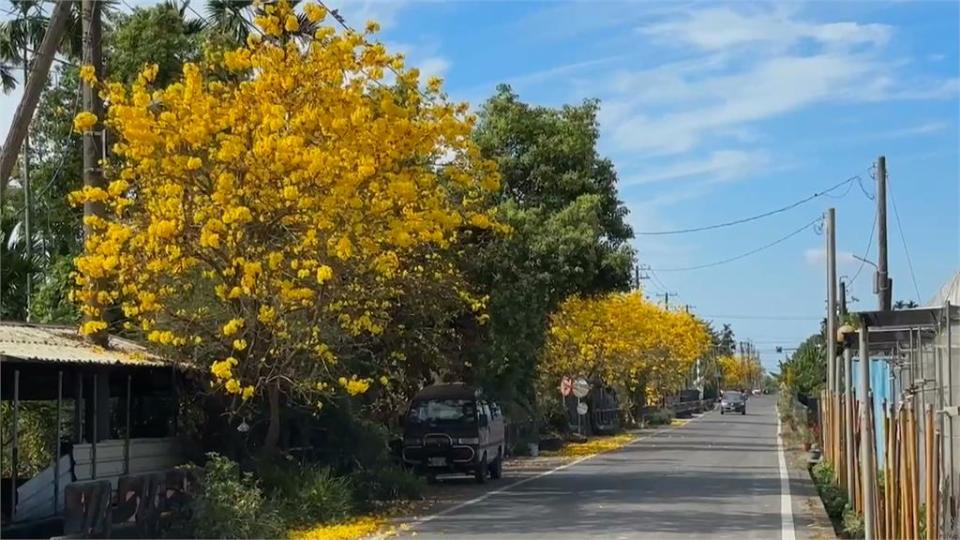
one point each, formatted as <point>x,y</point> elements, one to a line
<point>884,284</point>
<point>666,299</point>
<point>867,469</point>
<point>831,301</point>
<point>92,171</point>
<point>25,183</point>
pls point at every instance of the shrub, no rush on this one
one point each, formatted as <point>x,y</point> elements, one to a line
<point>228,504</point>
<point>310,494</point>
<point>385,484</point>
<point>833,496</point>
<point>852,523</point>
<point>660,417</point>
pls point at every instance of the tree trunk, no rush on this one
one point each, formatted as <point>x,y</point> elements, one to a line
<point>273,428</point>
<point>32,90</point>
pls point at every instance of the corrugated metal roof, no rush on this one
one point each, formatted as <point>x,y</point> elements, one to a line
<point>64,344</point>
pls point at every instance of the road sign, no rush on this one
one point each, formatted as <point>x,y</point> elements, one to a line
<point>566,386</point>
<point>582,408</point>
<point>581,388</point>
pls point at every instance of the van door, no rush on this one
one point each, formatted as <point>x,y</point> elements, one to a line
<point>484,430</point>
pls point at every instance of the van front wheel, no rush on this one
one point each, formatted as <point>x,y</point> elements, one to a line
<point>480,473</point>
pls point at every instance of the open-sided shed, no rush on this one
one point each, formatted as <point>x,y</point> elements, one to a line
<point>115,407</point>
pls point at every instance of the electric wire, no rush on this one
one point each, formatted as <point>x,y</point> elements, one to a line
<point>906,250</point>
<point>866,252</point>
<point>816,221</point>
<point>848,181</point>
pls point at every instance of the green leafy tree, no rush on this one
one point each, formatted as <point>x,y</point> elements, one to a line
<point>806,369</point>
<point>569,233</point>
<point>174,40</point>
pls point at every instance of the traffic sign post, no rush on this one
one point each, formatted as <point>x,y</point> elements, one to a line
<point>580,389</point>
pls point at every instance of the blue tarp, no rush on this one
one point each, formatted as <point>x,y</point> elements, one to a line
<point>882,387</point>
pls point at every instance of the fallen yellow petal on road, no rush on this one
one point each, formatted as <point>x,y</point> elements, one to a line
<point>594,446</point>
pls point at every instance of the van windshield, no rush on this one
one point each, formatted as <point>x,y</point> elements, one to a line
<point>459,411</point>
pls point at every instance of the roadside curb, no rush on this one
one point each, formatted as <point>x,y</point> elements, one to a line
<point>811,521</point>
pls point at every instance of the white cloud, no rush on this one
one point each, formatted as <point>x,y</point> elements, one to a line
<point>925,128</point>
<point>723,28</point>
<point>769,88</point>
<point>385,12</point>
<point>433,66</point>
<point>818,257</point>
<point>719,166</point>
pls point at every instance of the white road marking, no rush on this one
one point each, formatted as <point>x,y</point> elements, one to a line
<point>426,519</point>
<point>787,531</point>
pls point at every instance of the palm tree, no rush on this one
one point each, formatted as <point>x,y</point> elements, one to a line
<point>234,18</point>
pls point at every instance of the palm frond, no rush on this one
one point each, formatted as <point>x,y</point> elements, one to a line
<point>7,81</point>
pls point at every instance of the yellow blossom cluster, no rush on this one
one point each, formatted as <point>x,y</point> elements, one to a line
<point>623,339</point>
<point>277,198</point>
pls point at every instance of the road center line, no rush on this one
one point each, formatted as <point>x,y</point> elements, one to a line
<point>426,519</point>
<point>787,531</point>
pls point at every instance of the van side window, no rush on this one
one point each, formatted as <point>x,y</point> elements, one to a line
<point>486,410</point>
<point>495,410</point>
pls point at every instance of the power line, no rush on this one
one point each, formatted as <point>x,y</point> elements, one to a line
<point>762,317</point>
<point>866,252</point>
<point>906,250</point>
<point>758,216</point>
<point>743,255</point>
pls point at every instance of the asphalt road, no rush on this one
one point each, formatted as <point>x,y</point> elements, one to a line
<point>718,476</point>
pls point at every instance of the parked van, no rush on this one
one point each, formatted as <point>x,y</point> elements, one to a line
<point>451,428</point>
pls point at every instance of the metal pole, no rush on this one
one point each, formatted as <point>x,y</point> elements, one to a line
<point>832,299</point>
<point>848,419</point>
<point>126,438</point>
<point>867,468</point>
<point>884,284</point>
<point>95,406</point>
<point>14,450</point>
<point>56,457</point>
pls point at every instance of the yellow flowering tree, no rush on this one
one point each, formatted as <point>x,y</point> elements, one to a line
<point>274,206</point>
<point>623,340</point>
<point>739,372</point>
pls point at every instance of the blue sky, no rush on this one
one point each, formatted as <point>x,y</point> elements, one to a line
<point>714,111</point>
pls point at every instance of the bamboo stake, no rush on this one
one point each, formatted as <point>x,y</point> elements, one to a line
<point>914,525</point>
<point>856,492</point>
<point>903,501</point>
<point>889,480</point>
<point>877,520</point>
<point>928,476</point>
<point>938,447</point>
